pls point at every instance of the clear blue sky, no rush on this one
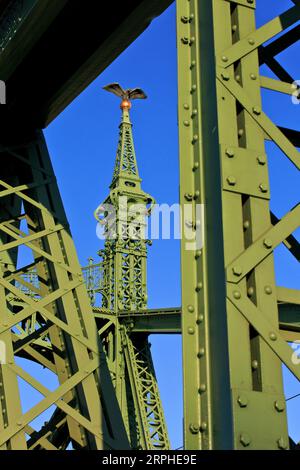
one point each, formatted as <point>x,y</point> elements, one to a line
<point>82,142</point>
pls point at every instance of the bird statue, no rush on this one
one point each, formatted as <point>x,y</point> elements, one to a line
<point>126,95</point>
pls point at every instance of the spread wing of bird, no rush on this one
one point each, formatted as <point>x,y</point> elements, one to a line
<point>116,89</point>
<point>134,93</point>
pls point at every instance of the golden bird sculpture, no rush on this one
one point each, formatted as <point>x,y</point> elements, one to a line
<point>126,95</point>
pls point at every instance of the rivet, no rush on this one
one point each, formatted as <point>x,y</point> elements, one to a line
<point>19,423</point>
<point>86,371</point>
<point>186,106</point>
<point>237,294</point>
<point>268,243</point>
<point>196,166</point>
<point>250,1</point>
<point>229,152</point>
<point>196,194</point>
<point>201,352</point>
<point>282,444</point>
<point>200,319</point>
<point>194,428</point>
<point>189,223</point>
<point>268,290</point>
<point>231,180</point>
<point>191,331</point>
<point>202,388</point>
<point>273,336</point>
<point>199,286</point>
<point>250,291</point>
<point>191,308</point>
<point>185,40</point>
<point>193,63</point>
<point>192,40</point>
<point>242,401</point>
<point>191,16</point>
<point>237,270</point>
<point>251,41</point>
<point>254,364</point>
<point>241,132</point>
<point>234,28</point>
<point>253,76</point>
<point>198,254</point>
<point>194,112</point>
<point>184,19</point>
<point>188,196</point>
<point>256,110</point>
<point>261,160</point>
<point>263,188</point>
<point>245,439</point>
<point>225,76</point>
<point>246,224</point>
<point>203,426</point>
<point>194,88</point>
<point>195,138</point>
<point>238,78</point>
<point>5,324</point>
<point>224,58</point>
<point>279,405</point>
<point>186,123</point>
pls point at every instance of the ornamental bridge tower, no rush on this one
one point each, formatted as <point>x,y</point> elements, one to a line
<point>123,216</point>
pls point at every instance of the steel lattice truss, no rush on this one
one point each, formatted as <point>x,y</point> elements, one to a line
<point>223,129</point>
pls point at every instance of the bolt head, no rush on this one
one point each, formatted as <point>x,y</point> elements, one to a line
<point>242,401</point>
<point>282,444</point>
<point>279,405</point>
<point>194,428</point>
<point>256,110</point>
<point>201,352</point>
<point>245,439</point>
<point>273,336</point>
<point>202,388</point>
<point>191,308</point>
<point>237,270</point>
<point>199,286</point>
<point>191,331</point>
<point>203,426</point>
<point>263,187</point>
<point>225,76</point>
<point>268,243</point>
<point>268,290</point>
<point>224,58</point>
<point>237,294</point>
<point>261,159</point>
<point>200,319</point>
<point>231,180</point>
<point>254,364</point>
<point>251,41</point>
<point>229,152</point>
<point>250,291</point>
<point>253,76</point>
<point>188,196</point>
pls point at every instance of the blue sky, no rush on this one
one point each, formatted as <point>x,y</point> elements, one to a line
<point>82,142</point>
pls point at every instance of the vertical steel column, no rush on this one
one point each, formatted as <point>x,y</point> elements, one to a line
<point>207,403</point>
<point>224,128</point>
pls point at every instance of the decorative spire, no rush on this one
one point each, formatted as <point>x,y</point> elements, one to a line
<point>125,165</point>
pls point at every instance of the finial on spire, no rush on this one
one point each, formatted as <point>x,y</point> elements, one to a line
<point>126,95</point>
